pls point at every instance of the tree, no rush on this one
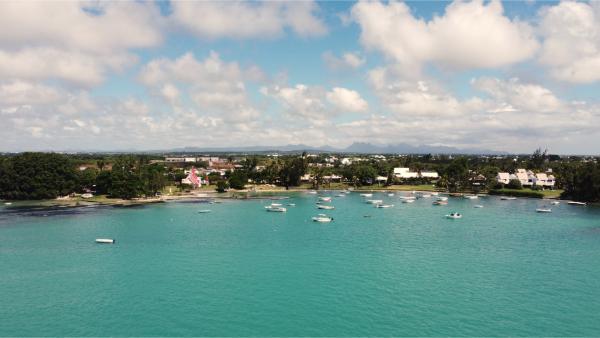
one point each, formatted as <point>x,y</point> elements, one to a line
<point>291,171</point>
<point>537,160</point>
<point>86,179</point>
<point>37,176</point>
<point>514,184</point>
<point>222,186</point>
<point>585,185</point>
<point>457,174</point>
<point>125,179</point>
<point>238,179</point>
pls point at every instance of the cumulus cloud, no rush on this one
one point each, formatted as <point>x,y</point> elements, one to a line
<point>348,60</point>
<point>215,86</point>
<point>240,20</point>
<point>571,41</point>
<point>468,35</point>
<point>78,42</point>
<point>347,100</point>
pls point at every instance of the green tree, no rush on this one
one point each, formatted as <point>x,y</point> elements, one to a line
<point>514,184</point>
<point>125,179</point>
<point>238,179</point>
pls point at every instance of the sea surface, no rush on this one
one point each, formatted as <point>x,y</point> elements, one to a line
<point>501,270</point>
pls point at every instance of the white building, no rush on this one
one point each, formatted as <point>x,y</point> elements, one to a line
<point>405,173</point>
<point>503,178</point>
<point>429,174</point>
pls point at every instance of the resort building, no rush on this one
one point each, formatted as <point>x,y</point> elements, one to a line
<point>405,173</point>
<point>528,178</point>
<point>503,178</point>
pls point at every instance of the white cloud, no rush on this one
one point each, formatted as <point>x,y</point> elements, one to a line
<point>571,45</point>
<point>347,100</point>
<point>519,96</point>
<point>348,60</point>
<point>468,35</point>
<point>215,86</point>
<point>240,20</point>
<point>73,41</point>
<point>26,93</point>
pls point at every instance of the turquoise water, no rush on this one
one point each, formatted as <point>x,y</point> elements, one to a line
<point>241,271</point>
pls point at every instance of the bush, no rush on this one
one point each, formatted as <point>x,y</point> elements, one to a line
<point>514,184</point>
<point>517,193</point>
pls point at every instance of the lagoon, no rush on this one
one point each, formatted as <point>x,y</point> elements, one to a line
<point>240,271</point>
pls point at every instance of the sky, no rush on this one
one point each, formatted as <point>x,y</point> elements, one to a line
<point>147,75</point>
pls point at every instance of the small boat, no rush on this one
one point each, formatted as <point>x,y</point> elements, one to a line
<point>326,207</point>
<point>391,194</point>
<point>425,195</point>
<point>275,209</point>
<point>203,211</point>
<point>312,192</point>
<point>105,241</point>
<point>374,201</point>
<point>440,203</point>
<point>478,206</point>
<point>346,192</point>
<point>555,202</point>
<point>321,215</point>
<point>366,195</point>
<point>576,203</point>
<point>340,195</point>
<point>292,204</point>
<point>507,198</point>
<point>322,219</point>
<point>470,197</point>
<point>543,210</point>
<point>7,203</point>
<point>407,197</point>
<point>454,215</point>
<point>435,193</point>
<point>381,206</point>
<point>325,199</point>
<point>408,201</point>
<point>442,198</point>
<point>276,204</point>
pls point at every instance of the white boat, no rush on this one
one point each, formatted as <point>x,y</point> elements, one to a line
<point>7,203</point>
<point>340,195</point>
<point>576,203</point>
<point>408,201</point>
<point>292,204</point>
<point>438,202</point>
<point>543,210</point>
<point>275,209</point>
<point>454,215</point>
<point>478,206</point>
<point>346,191</point>
<point>276,204</point>
<point>435,193</point>
<point>555,202</point>
<point>312,192</point>
<point>87,195</point>
<point>442,198</point>
<point>425,195</point>
<point>507,198</point>
<point>203,211</point>
<point>366,195</point>
<point>374,201</point>
<point>381,206</point>
<point>391,194</point>
<point>326,207</point>
<point>325,199</point>
<point>105,241</point>
<point>322,219</point>
<point>407,197</point>
<point>470,197</point>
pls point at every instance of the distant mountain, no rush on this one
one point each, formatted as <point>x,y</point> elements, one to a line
<point>357,147</point>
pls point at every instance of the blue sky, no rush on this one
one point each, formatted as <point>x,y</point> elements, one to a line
<point>509,76</point>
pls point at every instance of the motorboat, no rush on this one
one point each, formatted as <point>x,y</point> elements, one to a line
<point>425,195</point>
<point>275,209</point>
<point>382,206</point>
<point>576,203</point>
<point>105,241</point>
<point>7,203</point>
<point>470,197</point>
<point>391,194</point>
<point>374,201</point>
<point>407,197</point>
<point>440,203</point>
<point>478,206</point>
<point>508,198</point>
<point>435,193</point>
<point>322,219</point>
<point>276,204</point>
<point>292,204</point>
<point>325,199</point>
<point>408,201</point>
<point>326,207</point>
<point>543,209</point>
<point>454,215</point>
<point>442,198</point>
<point>205,211</point>
<point>366,195</point>
<point>555,202</point>
<point>312,192</point>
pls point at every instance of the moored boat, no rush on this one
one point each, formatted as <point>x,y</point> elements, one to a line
<point>543,210</point>
<point>507,198</point>
<point>366,195</point>
<point>105,241</point>
<point>374,201</point>
<point>382,206</point>
<point>576,203</point>
<point>454,215</point>
<point>322,219</point>
<point>275,209</point>
<point>326,207</point>
<point>205,211</point>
